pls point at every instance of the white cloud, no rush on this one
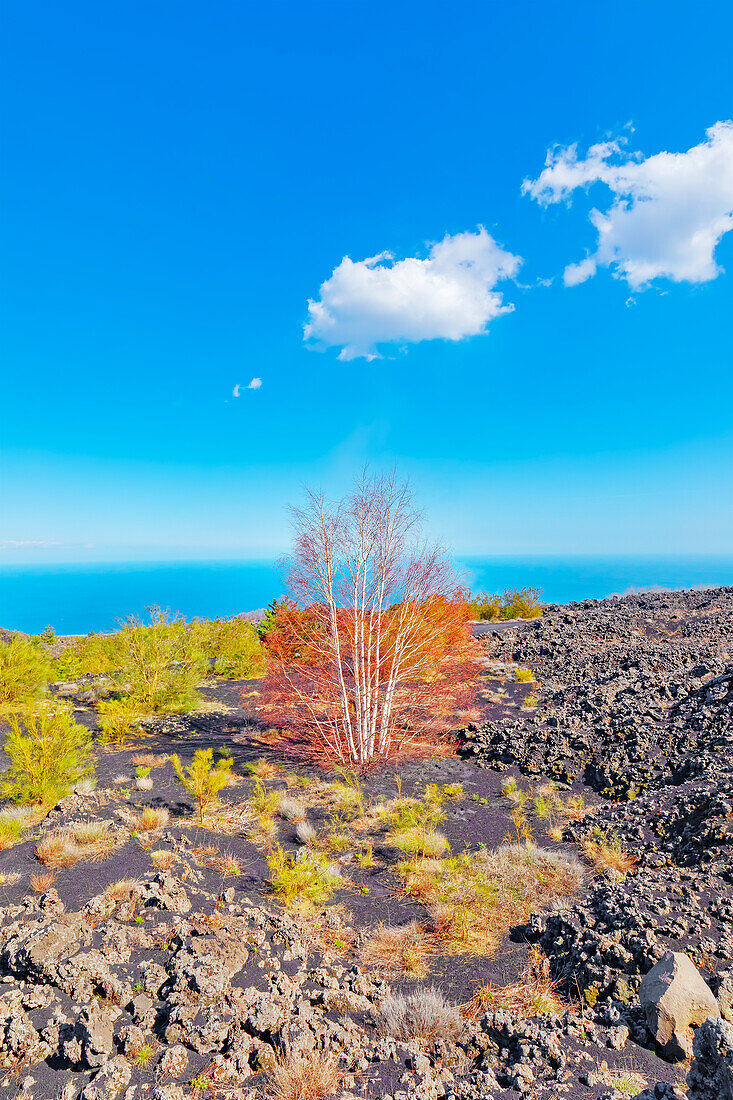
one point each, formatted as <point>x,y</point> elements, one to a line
<point>253,385</point>
<point>448,295</point>
<point>668,214</point>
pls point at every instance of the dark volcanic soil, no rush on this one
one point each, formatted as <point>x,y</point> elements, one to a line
<point>210,978</point>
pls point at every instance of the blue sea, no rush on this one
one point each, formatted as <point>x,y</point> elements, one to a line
<point>75,599</point>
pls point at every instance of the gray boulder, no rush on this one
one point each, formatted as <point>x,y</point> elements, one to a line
<point>676,999</point>
<point>711,1074</point>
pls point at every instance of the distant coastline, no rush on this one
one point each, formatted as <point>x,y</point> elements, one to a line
<point>77,598</point>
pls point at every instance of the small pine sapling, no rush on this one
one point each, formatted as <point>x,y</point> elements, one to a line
<point>203,779</point>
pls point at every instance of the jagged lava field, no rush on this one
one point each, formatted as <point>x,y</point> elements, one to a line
<point>544,909</point>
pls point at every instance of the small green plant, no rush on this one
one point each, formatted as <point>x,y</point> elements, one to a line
<point>24,672</point>
<point>543,807</point>
<point>530,701</point>
<point>309,879</point>
<point>48,635</point>
<point>200,1083</point>
<point>366,858</point>
<point>524,675</point>
<point>49,754</point>
<point>10,831</point>
<point>264,801</point>
<point>438,794</point>
<point>203,779</point>
<point>508,787</point>
<point>143,1055</point>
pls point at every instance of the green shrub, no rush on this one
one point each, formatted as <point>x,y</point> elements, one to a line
<point>233,645</point>
<point>117,721</point>
<point>92,654</point>
<point>158,672</point>
<point>49,754</point>
<point>485,606</point>
<point>524,675</point>
<point>515,603</point>
<point>47,636</point>
<point>521,603</point>
<point>24,672</point>
<point>203,779</point>
<point>311,878</point>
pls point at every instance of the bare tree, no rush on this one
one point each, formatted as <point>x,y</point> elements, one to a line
<point>375,653</point>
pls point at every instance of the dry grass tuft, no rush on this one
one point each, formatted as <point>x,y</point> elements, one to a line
<point>150,759</point>
<point>299,1076</point>
<point>626,1081</point>
<point>533,994</point>
<point>404,950</point>
<point>423,1014</point>
<point>87,840</point>
<point>608,857</point>
<point>123,890</point>
<point>43,882</point>
<point>163,860</point>
<point>151,819</point>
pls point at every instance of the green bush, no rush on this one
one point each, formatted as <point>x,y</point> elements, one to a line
<point>202,779</point>
<point>93,653</point>
<point>515,603</point>
<point>117,721</point>
<point>233,645</point>
<point>49,754</point>
<point>24,672</point>
<point>157,672</point>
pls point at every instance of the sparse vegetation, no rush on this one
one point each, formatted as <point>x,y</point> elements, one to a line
<point>49,753</point>
<point>523,675</point>
<point>607,855</point>
<point>86,840</point>
<point>532,994</point>
<point>309,878</point>
<point>402,951</point>
<point>152,818</point>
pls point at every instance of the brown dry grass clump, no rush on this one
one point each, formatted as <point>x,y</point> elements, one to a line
<point>150,759</point>
<point>42,882</point>
<point>533,993</point>
<point>299,1076</point>
<point>151,819</point>
<point>608,857</point>
<point>163,860</point>
<point>86,840</point>
<point>123,890</point>
<point>404,950</point>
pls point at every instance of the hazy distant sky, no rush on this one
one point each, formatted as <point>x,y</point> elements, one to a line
<point>251,247</point>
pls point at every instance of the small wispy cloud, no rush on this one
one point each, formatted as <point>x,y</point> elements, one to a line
<point>253,385</point>
<point>26,544</point>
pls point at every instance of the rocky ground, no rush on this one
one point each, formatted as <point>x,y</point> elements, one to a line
<point>164,968</point>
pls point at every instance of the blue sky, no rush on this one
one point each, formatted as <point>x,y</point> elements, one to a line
<point>180,179</point>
